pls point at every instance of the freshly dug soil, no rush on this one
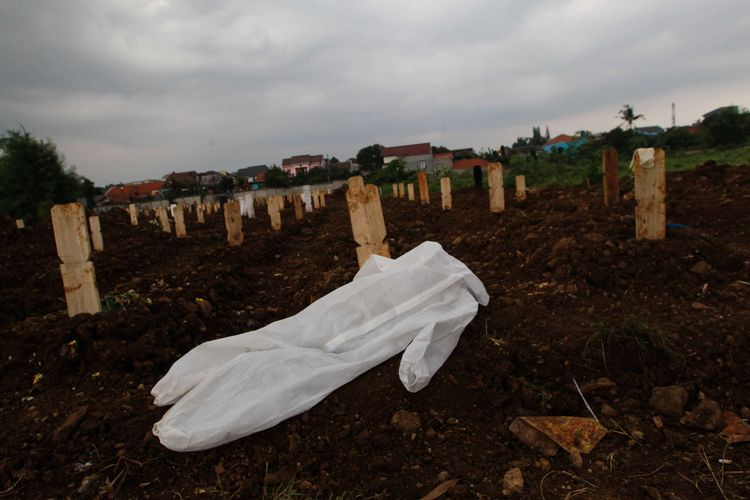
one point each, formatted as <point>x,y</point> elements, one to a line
<point>573,296</point>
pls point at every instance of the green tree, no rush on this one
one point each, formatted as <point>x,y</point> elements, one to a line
<point>727,128</point>
<point>276,178</point>
<point>33,177</point>
<point>369,158</point>
<point>226,183</point>
<point>627,115</point>
<point>440,149</point>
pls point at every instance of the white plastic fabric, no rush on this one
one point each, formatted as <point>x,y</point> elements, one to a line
<point>229,388</point>
<point>250,205</point>
<point>645,158</point>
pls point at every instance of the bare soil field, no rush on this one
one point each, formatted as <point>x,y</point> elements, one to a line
<point>572,295</point>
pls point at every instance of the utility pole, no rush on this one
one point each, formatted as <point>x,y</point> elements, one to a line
<point>673,119</point>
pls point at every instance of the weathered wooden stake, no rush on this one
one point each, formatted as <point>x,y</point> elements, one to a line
<point>179,222</point>
<point>274,207</point>
<point>424,192</point>
<point>233,223</point>
<point>299,212</point>
<point>497,195</point>
<point>315,200</point>
<point>394,192</point>
<point>401,190</point>
<point>161,213</point>
<point>96,233</point>
<point>73,247</point>
<point>650,194</point>
<point>610,179</point>
<point>322,195</point>
<point>199,213</point>
<point>366,216</point>
<point>133,214</point>
<point>520,187</point>
<point>410,190</point>
<point>20,224</point>
<point>445,190</point>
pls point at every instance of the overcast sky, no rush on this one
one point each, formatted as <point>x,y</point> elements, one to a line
<point>136,89</point>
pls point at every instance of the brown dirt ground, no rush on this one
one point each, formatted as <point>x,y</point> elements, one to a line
<point>573,294</point>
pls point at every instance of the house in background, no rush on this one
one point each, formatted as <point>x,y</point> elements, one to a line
<point>717,111</point>
<point>564,142</point>
<point>442,161</point>
<point>209,178</point>
<point>133,191</point>
<point>467,163</point>
<point>189,178</point>
<point>652,131</point>
<point>416,156</point>
<point>253,173</point>
<point>302,163</point>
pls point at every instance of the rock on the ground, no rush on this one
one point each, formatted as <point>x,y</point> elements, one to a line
<point>405,421</point>
<point>608,411</point>
<point>705,416</point>
<point>64,430</point>
<point>512,482</point>
<point>669,400</point>
<point>701,268</point>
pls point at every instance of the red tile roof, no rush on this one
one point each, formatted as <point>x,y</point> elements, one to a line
<point>129,192</point>
<point>560,138</point>
<point>408,150</point>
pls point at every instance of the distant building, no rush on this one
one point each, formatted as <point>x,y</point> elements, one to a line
<point>416,156</point>
<point>182,178</point>
<point>302,163</point>
<point>133,191</point>
<point>467,163</point>
<point>254,173</point>
<point>652,131</point>
<point>442,161</point>
<point>564,142</point>
<point>209,178</point>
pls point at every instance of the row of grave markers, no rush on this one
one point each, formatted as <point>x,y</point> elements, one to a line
<point>74,238</point>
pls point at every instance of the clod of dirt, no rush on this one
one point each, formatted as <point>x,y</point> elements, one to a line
<point>513,482</point>
<point>701,268</point>
<point>406,421</point>
<point>669,400</point>
<point>705,416</point>
<point>64,430</point>
<point>608,411</point>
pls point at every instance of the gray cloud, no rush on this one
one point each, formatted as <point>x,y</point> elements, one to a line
<point>136,89</point>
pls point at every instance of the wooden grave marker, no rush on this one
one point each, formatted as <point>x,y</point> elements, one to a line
<point>161,212</point>
<point>20,224</point>
<point>96,233</point>
<point>299,212</point>
<point>521,188</point>
<point>322,195</point>
<point>199,213</point>
<point>401,190</point>
<point>445,191</point>
<point>410,191</point>
<point>233,223</point>
<point>650,194</point>
<point>179,222</point>
<point>497,195</point>
<point>394,192</point>
<point>610,179</point>
<point>366,215</point>
<point>424,192</point>
<point>133,211</point>
<point>274,211</point>
<point>74,250</point>
<point>315,200</point>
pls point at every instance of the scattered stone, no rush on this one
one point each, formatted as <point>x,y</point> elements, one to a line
<point>705,416</point>
<point>669,400</point>
<point>544,464</point>
<point>444,475</point>
<point>405,421</point>
<point>608,411</point>
<point>562,244</point>
<point>600,383</point>
<point>64,430</point>
<point>304,485</point>
<point>658,422</point>
<point>745,412</point>
<point>513,482</point>
<point>594,237</point>
<point>295,441</point>
<point>452,421</point>
<point>204,306</point>
<point>701,268</point>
